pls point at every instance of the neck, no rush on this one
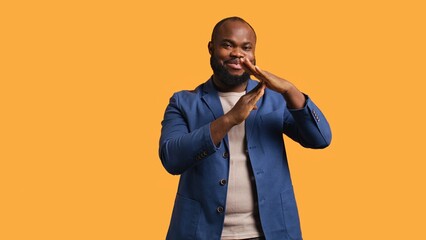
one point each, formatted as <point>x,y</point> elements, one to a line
<point>225,88</point>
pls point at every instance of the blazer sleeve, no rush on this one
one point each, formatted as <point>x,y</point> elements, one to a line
<point>181,149</point>
<point>307,126</point>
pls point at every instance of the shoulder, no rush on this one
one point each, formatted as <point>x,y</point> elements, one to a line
<point>188,95</point>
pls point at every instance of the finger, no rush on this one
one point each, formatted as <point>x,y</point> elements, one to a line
<point>255,100</point>
<point>258,94</point>
<point>248,66</point>
<point>255,94</point>
<point>260,72</point>
<point>264,75</point>
<point>252,69</point>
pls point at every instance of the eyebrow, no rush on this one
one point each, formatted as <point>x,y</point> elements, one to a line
<point>233,42</point>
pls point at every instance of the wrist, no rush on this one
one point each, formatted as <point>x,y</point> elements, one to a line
<point>229,120</point>
<point>294,98</point>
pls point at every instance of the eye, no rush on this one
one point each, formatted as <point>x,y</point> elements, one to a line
<point>247,48</point>
<point>226,45</point>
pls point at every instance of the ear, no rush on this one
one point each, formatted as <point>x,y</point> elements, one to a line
<point>210,47</point>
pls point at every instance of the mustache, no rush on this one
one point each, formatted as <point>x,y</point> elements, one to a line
<point>233,61</point>
<point>238,61</point>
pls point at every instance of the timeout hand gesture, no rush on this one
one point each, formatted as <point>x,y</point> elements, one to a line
<point>245,105</point>
<point>294,98</point>
<point>270,80</point>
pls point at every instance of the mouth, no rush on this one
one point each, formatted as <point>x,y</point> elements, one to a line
<point>234,64</point>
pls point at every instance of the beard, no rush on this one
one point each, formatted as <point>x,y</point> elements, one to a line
<point>224,76</point>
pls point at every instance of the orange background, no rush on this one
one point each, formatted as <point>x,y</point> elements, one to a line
<point>84,85</point>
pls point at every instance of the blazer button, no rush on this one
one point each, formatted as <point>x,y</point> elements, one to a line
<point>223,182</point>
<point>225,155</point>
<point>219,209</point>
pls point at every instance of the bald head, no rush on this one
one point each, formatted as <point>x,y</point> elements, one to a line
<point>223,21</point>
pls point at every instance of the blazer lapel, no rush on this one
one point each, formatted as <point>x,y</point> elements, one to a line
<point>211,98</point>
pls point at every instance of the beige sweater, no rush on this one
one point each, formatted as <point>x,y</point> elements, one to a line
<point>241,214</point>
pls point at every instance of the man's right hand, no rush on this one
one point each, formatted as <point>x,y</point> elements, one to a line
<point>221,126</point>
<point>245,105</point>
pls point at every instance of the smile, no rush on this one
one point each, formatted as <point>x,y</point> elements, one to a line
<point>234,64</point>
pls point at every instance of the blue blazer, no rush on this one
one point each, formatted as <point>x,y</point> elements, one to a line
<point>186,148</point>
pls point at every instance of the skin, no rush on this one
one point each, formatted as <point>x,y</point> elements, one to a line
<point>236,41</point>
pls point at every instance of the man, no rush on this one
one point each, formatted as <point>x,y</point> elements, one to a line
<point>225,140</point>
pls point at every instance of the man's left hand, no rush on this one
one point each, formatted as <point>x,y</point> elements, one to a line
<point>294,98</point>
<point>270,80</point>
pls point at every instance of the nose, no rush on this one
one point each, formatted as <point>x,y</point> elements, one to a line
<point>237,53</point>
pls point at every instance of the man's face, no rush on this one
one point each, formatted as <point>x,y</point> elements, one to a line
<point>234,40</point>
